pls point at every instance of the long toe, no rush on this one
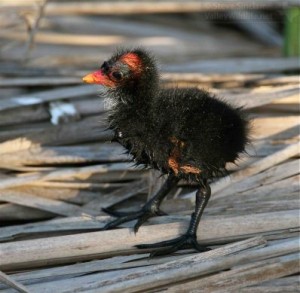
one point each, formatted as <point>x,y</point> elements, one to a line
<point>116,213</point>
<point>141,216</point>
<point>161,244</point>
<point>166,247</point>
<point>120,221</point>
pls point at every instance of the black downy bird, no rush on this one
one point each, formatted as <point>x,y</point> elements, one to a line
<point>185,133</point>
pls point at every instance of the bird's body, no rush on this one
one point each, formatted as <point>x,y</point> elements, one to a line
<point>187,125</point>
<point>185,133</point>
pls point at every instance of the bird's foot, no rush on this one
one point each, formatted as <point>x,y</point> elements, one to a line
<point>141,216</point>
<point>182,242</point>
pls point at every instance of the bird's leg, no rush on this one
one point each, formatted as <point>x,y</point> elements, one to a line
<point>189,239</point>
<point>150,209</point>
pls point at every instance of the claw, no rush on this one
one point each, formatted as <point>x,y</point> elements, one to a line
<point>161,213</point>
<point>144,217</point>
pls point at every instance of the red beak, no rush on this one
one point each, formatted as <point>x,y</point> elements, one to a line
<point>98,77</point>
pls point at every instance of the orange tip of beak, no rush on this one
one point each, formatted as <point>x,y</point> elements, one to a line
<point>89,78</point>
<point>98,77</point>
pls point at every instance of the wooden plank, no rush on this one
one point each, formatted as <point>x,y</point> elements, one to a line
<point>242,206</point>
<point>180,270</point>
<point>255,168</point>
<point>60,225</point>
<point>66,248</point>
<point>241,277</point>
<point>37,113</point>
<point>13,212</point>
<point>118,195</point>
<point>12,283</point>
<point>261,96</point>
<point>274,126</point>
<point>227,80</point>
<point>39,81</point>
<point>76,184</point>
<point>11,182</point>
<point>50,205</point>
<point>273,289</point>
<point>125,7</point>
<point>47,96</point>
<point>270,176</point>
<point>219,252</point>
<point>87,130</point>
<point>289,185</point>
<point>263,31</point>
<point>69,195</point>
<point>279,190</point>
<point>71,271</point>
<point>237,65</point>
<point>37,155</point>
<point>282,281</point>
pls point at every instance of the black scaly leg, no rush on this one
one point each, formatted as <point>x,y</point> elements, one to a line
<point>189,239</point>
<point>150,209</point>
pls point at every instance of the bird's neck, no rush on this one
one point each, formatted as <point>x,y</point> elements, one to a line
<point>130,110</point>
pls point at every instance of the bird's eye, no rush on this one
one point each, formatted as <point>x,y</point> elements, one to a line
<point>117,75</point>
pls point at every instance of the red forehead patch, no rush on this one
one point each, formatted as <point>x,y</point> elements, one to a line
<point>132,60</point>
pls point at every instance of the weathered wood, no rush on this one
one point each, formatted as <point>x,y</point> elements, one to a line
<point>217,253</point>
<point>12,212</point>
<point>47,96</point>
<point>274,126</point>
<point>61,225</point>
<point>87,130</point>
<point>263,31</point>
<point>12,283</point>
<point>39,81</point>
<point>264,289</point>
<point>236,65</point>
<point>270,176</point>
<point>262,96</point>
<point>118,195</point>
<point>66,248</point>
<point>183,269</point>
<point>277,191</point>
<point>244,207</point>
<point>37,155</point>
<point>282,281</point>
<point>126,7</point>
<point>255,168</point>
<point>291,185</point>
<point>70,271</point>
<point>69,195</point>
<point>73,184</point>
<point>50,205</point>
<point>241,277</point>
<point>65,173</point>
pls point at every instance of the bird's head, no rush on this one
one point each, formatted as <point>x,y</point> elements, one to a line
<point>128,72</point>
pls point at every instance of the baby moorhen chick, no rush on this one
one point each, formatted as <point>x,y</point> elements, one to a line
<point>185,133</point>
